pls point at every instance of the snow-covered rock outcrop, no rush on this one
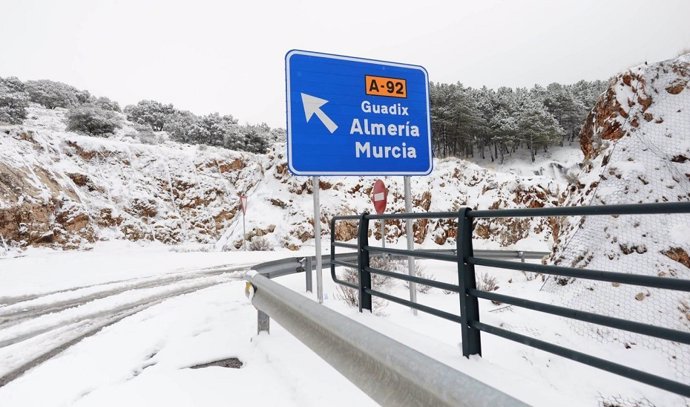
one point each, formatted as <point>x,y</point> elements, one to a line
<point>636,144</point>
<point>66,190</point>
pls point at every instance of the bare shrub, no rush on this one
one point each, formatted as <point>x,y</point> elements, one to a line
<point>418,272</point>
<point>351,296</point>
<point>385,263</point>
<point>259,244</point>
<point>487,283</point>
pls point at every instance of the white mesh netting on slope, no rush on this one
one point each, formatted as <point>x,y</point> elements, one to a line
<point>638,151</point>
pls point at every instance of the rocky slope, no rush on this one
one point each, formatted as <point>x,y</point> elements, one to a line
<point>66,190</point>
<point>636,144</point>
<point>61,189</point>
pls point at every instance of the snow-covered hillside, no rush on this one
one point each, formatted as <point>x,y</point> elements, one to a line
<point>62,189</point>
<point>637,148</point>
<point>67,190</point>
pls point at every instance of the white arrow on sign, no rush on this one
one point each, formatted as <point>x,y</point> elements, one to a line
<point>312,105</point>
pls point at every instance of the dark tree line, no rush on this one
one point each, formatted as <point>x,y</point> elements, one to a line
<point>495,123</point>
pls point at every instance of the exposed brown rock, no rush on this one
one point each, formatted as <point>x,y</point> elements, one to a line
<point>79,179</point>
<point>19,222</point>
<point>75,222</point>
<point>134,233</point>
<point>106,218</point>
<point>81,152</point>
<point>419,230</point>
<point>355,189</point>
<point>483,231</point>
<point>645,102</point>
<point>345,230</point>
<point>677,86</point>
<point>224,216</point>
<point>144,208</point>
<point>27,136</point>
<point>278,203</point>
<point>235,165</point>
<point>604,123</point>
<point>281,169</point>
<point>678,254</point>
<point>424,201</point>
<point>629,249</point>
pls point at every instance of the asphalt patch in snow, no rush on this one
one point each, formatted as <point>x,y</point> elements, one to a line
<point>229,362</point>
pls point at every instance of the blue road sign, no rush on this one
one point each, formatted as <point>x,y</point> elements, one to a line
<point>353,116</point>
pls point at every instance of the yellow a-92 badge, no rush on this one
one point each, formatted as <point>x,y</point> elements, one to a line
<point>382,86</point>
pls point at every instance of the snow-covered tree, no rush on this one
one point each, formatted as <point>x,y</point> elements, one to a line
<point>93,120</point>
<point>256,138</point>
<point>107,104</point>
<point>182,126</point>
<point>13,101</point>
<point>561,103</point>
<point>56,94</point>
<point>150,112</point>
<point>537,127</point>
<point>217,129</point>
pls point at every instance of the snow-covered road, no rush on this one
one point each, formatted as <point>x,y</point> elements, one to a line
<point>131,339</point>
<point>123,325</point>
<point>31,333</point>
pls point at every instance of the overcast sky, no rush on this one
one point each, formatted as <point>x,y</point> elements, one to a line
<point>228,57</point>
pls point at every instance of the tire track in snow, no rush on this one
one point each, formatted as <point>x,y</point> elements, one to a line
<point>17,313</point>
<point>65,333</point>
<point>8,301</point>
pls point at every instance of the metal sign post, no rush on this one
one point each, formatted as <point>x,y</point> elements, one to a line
<point>317,239</point>
<point>383,233</point>
<point>410,241</point>
<point>243,205</point>
<point>379,196</point>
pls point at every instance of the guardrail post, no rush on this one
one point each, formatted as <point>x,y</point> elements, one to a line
<point>263,322</point>
<point>307,270</point>
<point>333,248</point>
<point>469,307</point>
<point>362,262</point>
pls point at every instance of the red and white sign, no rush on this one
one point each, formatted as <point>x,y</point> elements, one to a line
<point>379,196</point>
<point>243,204</point>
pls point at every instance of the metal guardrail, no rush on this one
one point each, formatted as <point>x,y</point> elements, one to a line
<point>389,372</point>
<point>293,265</point>
<point>466,258</point>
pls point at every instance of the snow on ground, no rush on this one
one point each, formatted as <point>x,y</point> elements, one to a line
<point>145,359</point>
<point>554,163</point>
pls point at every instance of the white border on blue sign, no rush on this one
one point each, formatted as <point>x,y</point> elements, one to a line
<point>290,53</point>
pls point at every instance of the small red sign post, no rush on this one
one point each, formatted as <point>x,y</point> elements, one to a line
<point>379,197</point>
<point>243,206</point>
